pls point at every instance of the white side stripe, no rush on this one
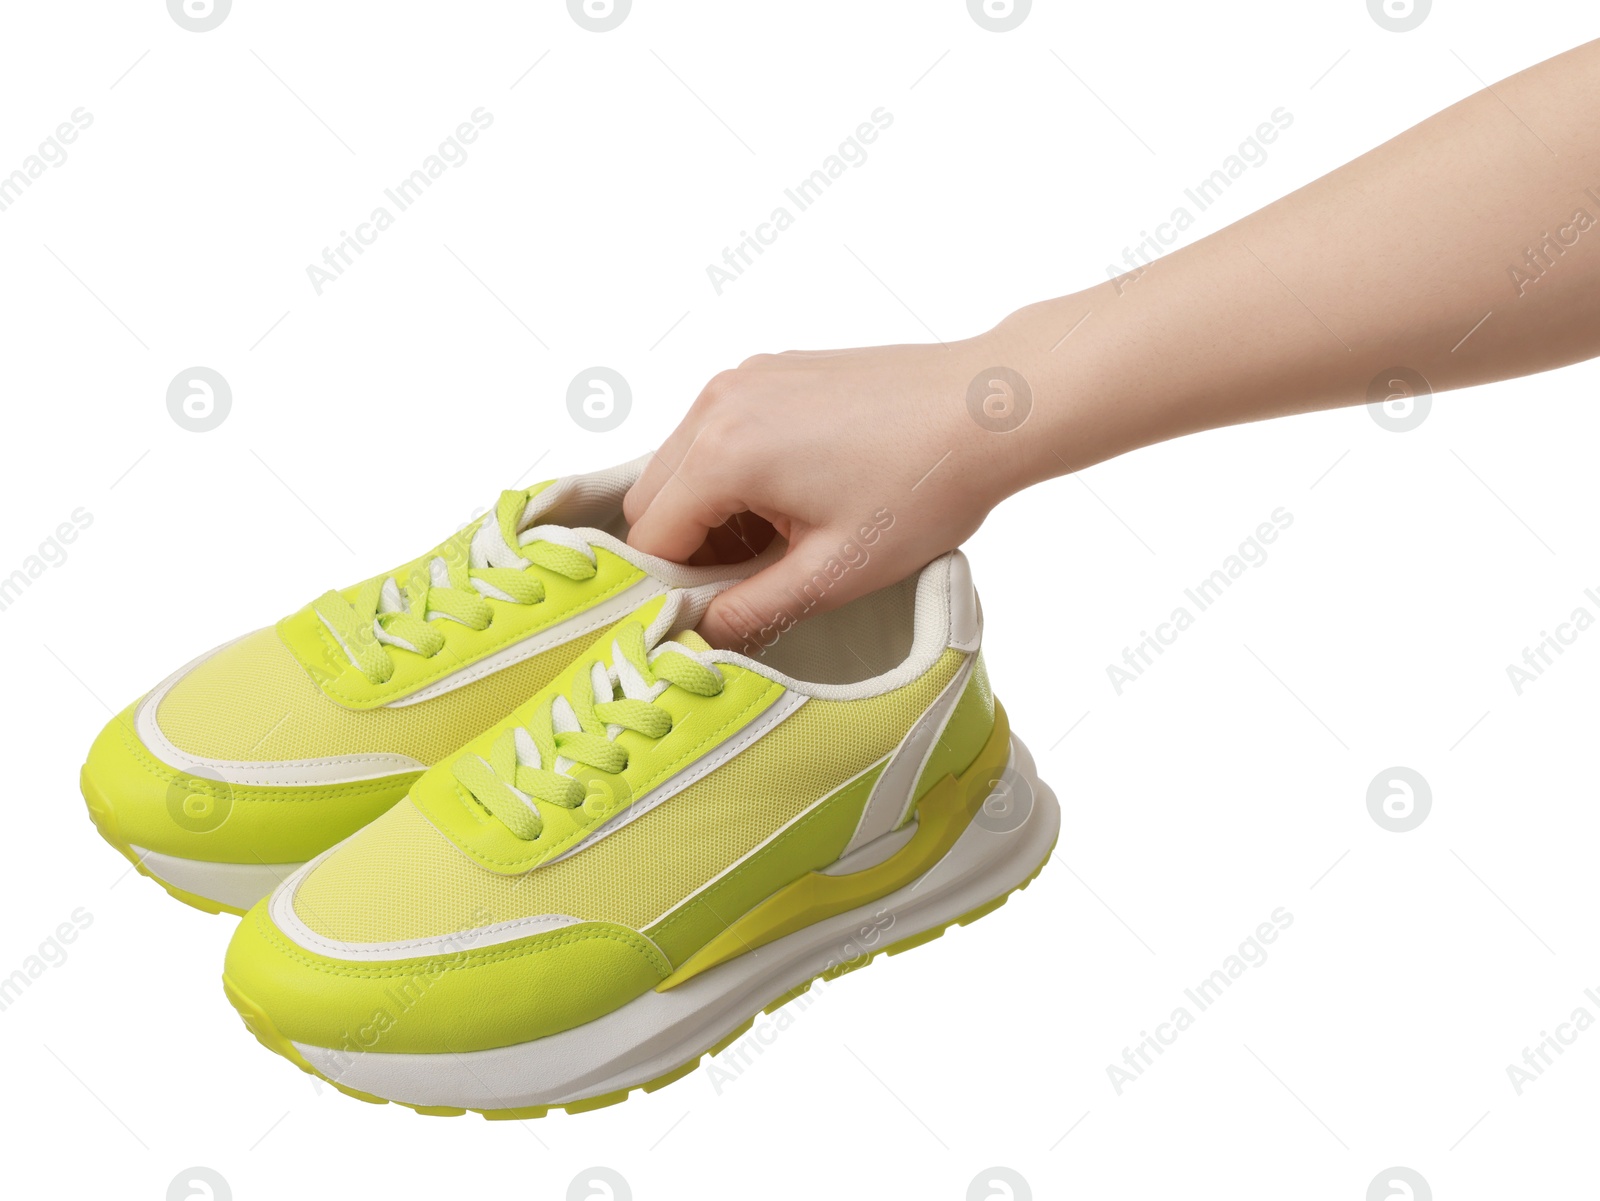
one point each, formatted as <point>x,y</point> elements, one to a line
<point>459,942</point>
<point>892,793</point>
<point>766,722</point>
<point>281,773</point>
<point>762,845</point>
<point>576,626</point>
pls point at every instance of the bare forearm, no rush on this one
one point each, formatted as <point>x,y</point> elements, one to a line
<point>1463,251</point>
<point>1416,255</point>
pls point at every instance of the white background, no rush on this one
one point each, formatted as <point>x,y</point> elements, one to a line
<point>1229,780</point>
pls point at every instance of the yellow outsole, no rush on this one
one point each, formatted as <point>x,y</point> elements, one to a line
<point>105,821</point>
<point>259,1024</point>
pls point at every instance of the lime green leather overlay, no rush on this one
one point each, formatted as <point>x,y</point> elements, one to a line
<point>809,843</point>
<point>470,999</point>
<point>816,840</point>
<point>159,808</point>
<point>942,815</point>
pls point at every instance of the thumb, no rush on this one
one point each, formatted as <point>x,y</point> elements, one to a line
<point>810,578</point>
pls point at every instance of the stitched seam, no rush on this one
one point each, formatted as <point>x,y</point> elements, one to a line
<point>457,960</point>
<point>167,774</point>
<point>356,949</point>
<point>244,765</point>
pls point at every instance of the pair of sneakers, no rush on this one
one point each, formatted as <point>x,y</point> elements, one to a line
<point>506,833</point>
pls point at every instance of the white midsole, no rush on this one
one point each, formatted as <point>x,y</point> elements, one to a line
<point>660,1031</point>
<point>240,885</point>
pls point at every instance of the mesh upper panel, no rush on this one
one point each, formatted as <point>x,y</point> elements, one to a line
<point>253,701</point>
<point>400,878</point>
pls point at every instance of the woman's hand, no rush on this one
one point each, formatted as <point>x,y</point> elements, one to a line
<point>867,462</point>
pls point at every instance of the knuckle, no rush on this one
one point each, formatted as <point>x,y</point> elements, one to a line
<point>722,388</point>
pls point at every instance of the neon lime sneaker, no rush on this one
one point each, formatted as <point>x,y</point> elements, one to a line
<point>267,751</point>
<point>568,909</point>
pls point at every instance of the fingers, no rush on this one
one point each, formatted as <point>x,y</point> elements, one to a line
<point>754,613</point>
<point>675,524</point>
<point>667,460</point>
<point>657,471</point>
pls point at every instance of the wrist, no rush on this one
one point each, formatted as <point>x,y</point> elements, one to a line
<point>1074,416</point>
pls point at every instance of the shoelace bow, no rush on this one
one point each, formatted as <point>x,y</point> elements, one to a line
<point>520,773</point>
<point>384,612</point>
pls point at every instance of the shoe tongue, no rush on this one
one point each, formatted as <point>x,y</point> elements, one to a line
<point>543,502</point>
<point>693,641</point>
<point>593,500</point>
